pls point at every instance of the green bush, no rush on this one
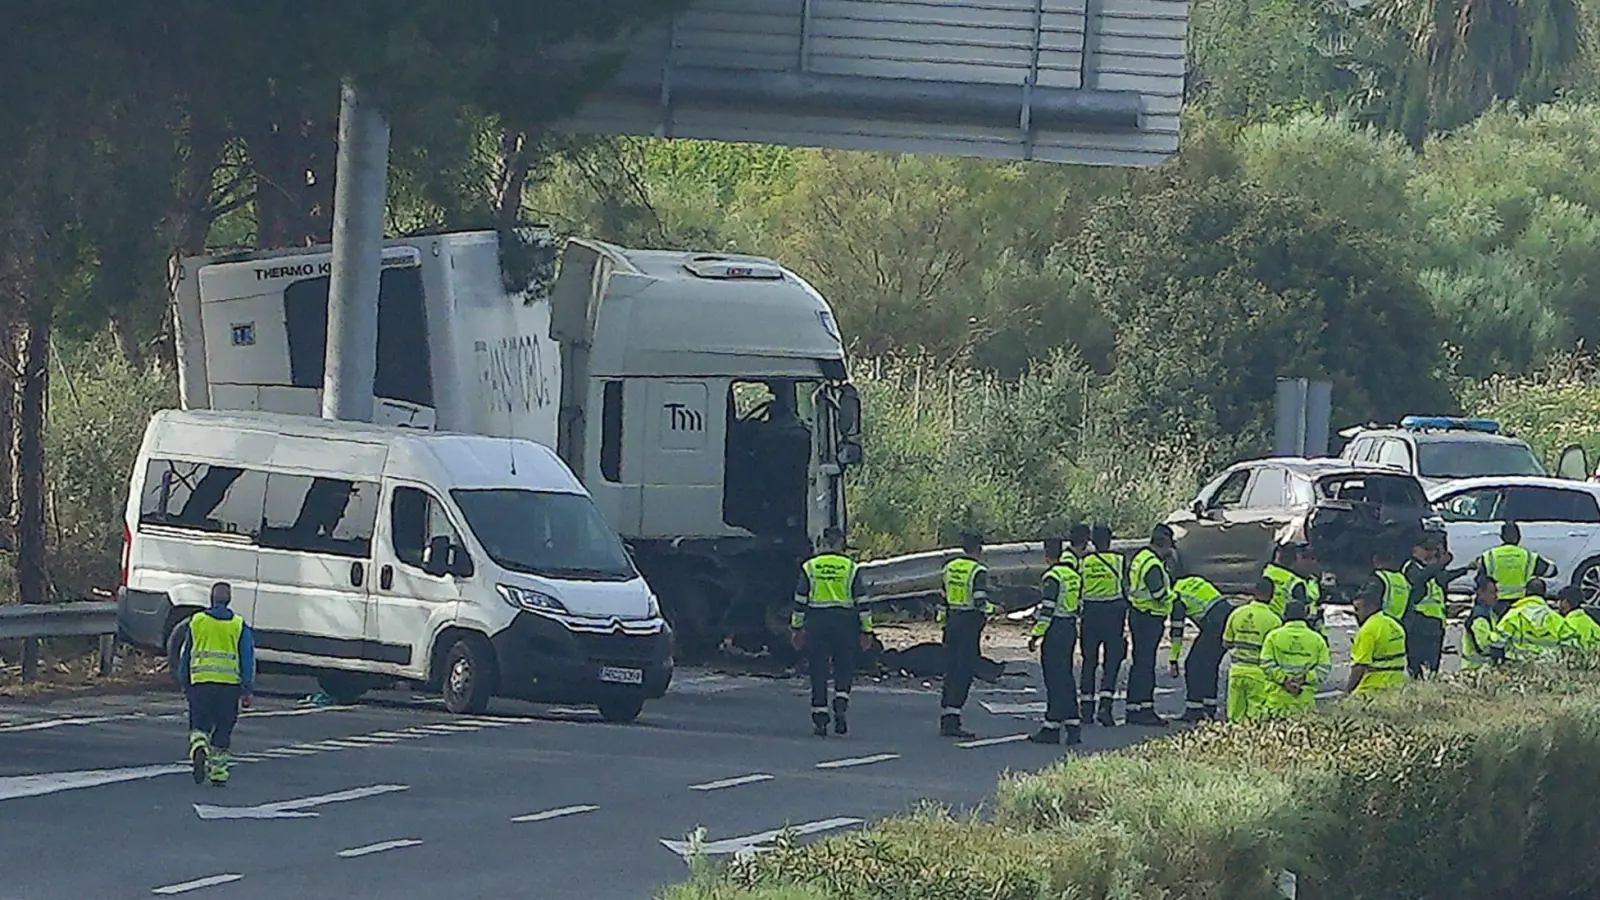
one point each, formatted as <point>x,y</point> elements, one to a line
<point>1474,786</point>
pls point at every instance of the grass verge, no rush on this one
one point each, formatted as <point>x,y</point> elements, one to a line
<point>1477,786</point>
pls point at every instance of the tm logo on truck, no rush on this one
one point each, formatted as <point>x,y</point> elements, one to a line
<point>681,417</point>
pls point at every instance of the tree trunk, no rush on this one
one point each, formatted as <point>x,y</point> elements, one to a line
<point>127,345</point>
<point>516,160</point>
<point>28,396</point>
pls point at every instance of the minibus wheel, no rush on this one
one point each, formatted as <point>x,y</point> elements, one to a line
<point>343,690</point>
<point>468,680</point>
<point>621,708</point>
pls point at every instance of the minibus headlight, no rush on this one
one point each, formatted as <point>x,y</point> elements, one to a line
<point>524,598</point>
<point>652,606</point>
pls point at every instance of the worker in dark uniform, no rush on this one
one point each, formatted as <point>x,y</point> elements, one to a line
<point>966,610</point>
<point>217,669</point>
<point>1077,548</point>
<point>1056,627</point>
<point>828,622</point>
<point>1149,608</point>
<point>1199,600</point>
<point>1105,619</point>
<point>1424,617</point>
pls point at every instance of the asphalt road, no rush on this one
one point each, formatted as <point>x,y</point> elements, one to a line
<point>399,799</point>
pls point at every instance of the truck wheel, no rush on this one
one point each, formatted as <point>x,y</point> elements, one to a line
<point>343,690</point>
<point>468,676</point>
<point>621,708</point>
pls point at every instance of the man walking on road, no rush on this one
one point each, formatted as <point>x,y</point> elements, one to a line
<point>217,669</point>
<point>1199,600</point>
<point>1150,607</point>
<point>827,623</point>
<point>966,610</point>
<point>1056,627</point>
<point>1105,619</point>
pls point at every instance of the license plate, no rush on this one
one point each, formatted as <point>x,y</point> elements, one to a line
<point>621,676</point>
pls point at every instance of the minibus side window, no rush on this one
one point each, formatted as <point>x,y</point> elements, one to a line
<point>415,519</point>
<point>319,515</point>
<point>201,497</point>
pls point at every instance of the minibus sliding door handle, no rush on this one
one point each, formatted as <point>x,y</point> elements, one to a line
<point>386,577</point>
<point>358,574</point>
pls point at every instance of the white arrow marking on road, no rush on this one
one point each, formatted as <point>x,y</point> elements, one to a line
<point>16,786</point>
<point>549,814</point>
<point>730,782</point>
<point>750,843</point>
<point>293,809</point>
<point>989,742</point>
<point>354,852</point>
<point>857,761</point>
<point>196,884</point>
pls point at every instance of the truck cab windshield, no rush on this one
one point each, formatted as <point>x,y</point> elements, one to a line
<point>544,533</point>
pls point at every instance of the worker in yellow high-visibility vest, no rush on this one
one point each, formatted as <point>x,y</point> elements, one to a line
<point>217,668</point>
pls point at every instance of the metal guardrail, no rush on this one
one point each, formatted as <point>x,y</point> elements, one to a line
<point>919,575</point>
<point>32,621</point>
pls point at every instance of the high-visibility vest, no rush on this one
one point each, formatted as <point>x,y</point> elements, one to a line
<point>1478,639</point>
<point>1432,602</point>
<point>1067,597</point>
<point>1103,576</point>
<point>1585,631</point>
<point>1533,629</point>
<point>1510,567</point>
<point>1387,667</point>
<point>1396,594</point>
<point>1139,593</point>
<point>959,575</point>
<point>1247,629</point>
<point>214,649</point>
<point>830,576</point>
<point>1283,582</point>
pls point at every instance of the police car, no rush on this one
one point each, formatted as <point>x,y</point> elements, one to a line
<point>1440,449</point>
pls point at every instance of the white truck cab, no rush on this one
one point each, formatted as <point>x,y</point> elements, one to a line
<point>702,398</point>
<point>367,554</point>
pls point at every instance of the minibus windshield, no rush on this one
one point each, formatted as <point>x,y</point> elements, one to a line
<point>543,533</point>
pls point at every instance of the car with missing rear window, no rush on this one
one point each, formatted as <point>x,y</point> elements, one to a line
<point>1342,510</point>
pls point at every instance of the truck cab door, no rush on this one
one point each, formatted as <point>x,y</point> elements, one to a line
<point>685,429</point>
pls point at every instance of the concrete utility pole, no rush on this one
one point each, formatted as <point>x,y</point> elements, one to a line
<point>360,190</point>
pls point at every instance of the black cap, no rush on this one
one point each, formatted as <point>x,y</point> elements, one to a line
<point>1078,533</point>
<point>1265,585</point>
<point>1296,611</point>
<point>1572,594</point>
<point>1052,547</point>
<point>1101,535</point>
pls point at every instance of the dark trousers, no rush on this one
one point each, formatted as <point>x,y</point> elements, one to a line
<point>1060,687</point>
<point>1205,659</point>
<point>963,636</point>
<point>1104,644</point>
<point>1424,644</point>
<point>831,639</point>
<point>214,709</point>
<point>1146,631</point>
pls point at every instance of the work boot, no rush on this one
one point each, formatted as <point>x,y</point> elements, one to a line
<point>197,756</point>
<point>1074,735</point>
<point>1086,710</point>
<point>840,706</point>
<point>1147,717</point>
<point>1104,716</point>
<point>950,726</point>
<point>819,724</point>
<point>1048,734</point>
<point>217,771</point>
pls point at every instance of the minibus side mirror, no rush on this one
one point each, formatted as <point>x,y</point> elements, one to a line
<point>438,562</point>
<point>849,411</point>
<point>460,562</point>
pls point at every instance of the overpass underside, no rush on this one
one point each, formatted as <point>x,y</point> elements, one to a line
<point>1097,82</point>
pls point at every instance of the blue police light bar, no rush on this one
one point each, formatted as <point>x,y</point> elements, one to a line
<point>1449,423</point>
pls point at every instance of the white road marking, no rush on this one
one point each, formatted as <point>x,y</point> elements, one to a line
<point>324,745</point>
<point>989,742</point>
<point>398,735</point>
<point>354,852</point>
<point>571,711</point>
<point>730,782</point>
<point>857,761</point>
<point>196,884</point>
<point>498,723</point>
<point>17,786</point>
<point>58,723</point>
<point>297,750</point>
<point>275,713</point>
<point>1010,709</point>
<point>369,741</point>
<point>293,809</point>
<point>753,842</point>
<point>445,728</point>
<point>346,744</point>
<point>997,691</point>
<point>549,814</point>
<point>246,758</point>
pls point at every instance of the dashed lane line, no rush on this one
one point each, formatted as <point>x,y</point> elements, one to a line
<point>990,742</point>
<point>198,883</point>
<point>731,782</point>
<point>549,814</point>
<point>379,847</point>
<point>857,761</point>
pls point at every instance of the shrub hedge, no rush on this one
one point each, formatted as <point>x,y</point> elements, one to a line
<point>1480,785</point>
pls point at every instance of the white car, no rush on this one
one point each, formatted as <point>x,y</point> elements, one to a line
<point>1559,518</point>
